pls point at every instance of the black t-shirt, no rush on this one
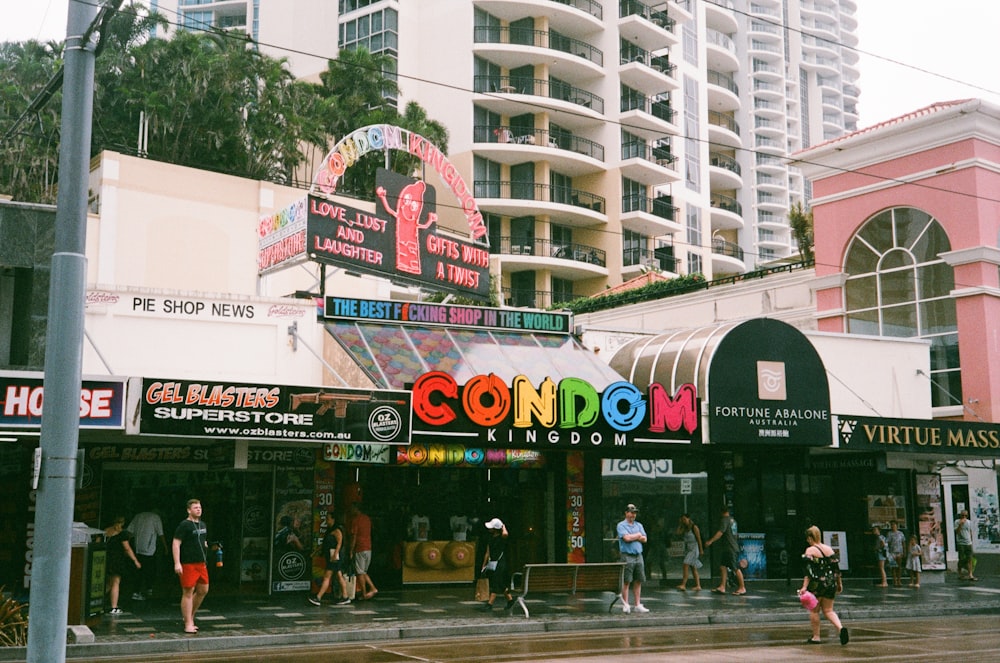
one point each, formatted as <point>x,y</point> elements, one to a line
<point>193,537</point>
<point>330,541</point>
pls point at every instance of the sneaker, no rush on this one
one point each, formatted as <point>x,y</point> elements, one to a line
<point>343,602</point>
<point>116,611</point>
<point>625,608</point>
<point>138,596</point>
<point>845,637</point>
<point>641,608</point>
<point>315,601</point>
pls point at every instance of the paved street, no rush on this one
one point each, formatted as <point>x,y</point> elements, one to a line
<point>394,619</point>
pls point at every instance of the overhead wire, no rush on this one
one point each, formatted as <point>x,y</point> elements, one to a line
<point>528,104</point>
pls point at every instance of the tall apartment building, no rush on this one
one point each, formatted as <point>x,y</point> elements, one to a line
<point>302,31</point>
<point>605,138</point>
<point>608,137</point>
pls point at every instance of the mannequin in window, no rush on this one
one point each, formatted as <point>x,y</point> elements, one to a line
<point>459,527</point>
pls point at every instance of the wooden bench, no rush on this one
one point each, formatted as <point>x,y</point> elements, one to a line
<point>568,578</point>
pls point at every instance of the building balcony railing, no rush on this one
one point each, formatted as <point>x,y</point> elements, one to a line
<point>726,203</point>
<point>636,8</point>
<point>656,259</point>
<point>522,298</point>
<point>488,34</point>
<point>633,53</point>
<point>725,121</point>
<point>590,6</point>
<point>546,248</point>
<point>724,81</point>
<point>540,137</point>
<point>724,248</point>
<point>539,87</point>
<point>724,161</point>
<point>542,193</point>
<point>661,207</point>
<point>661,156</point>
<point>655,107</point>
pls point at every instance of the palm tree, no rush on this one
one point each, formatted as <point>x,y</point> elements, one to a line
<point>801,222</point>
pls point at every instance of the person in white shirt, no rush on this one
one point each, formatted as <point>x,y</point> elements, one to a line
<point>147,528</point>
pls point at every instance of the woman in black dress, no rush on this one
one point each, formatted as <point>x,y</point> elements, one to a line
<point>121,556</point>
<point>822,578</point>
<point>495,563</point>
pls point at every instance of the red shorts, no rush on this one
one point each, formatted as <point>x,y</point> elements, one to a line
<point>194,574</point>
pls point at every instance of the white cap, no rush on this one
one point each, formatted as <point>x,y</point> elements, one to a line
<point>496,523</point>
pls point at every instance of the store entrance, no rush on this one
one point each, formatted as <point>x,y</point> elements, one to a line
<point>437,506</point>
<point>127,490</point>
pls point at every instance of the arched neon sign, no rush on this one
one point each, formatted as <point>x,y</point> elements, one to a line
<point>358,143</point>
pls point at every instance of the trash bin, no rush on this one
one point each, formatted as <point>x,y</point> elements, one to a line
<point>87,573</point>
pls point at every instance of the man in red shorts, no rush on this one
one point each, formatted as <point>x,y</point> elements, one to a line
<point>190,548</point>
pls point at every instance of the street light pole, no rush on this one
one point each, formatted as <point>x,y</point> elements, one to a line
<point>49,597</point>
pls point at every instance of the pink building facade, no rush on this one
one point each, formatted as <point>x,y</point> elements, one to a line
<point>907,221</point>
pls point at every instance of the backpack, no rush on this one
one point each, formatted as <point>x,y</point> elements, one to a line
<point>824,572</point>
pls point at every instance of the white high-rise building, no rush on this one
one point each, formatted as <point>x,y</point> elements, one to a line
<point>604,138</point>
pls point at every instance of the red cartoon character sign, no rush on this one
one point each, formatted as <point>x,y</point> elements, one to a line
<point>409,208</point>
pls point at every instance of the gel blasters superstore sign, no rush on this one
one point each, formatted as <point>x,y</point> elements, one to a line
<point>570,414</point>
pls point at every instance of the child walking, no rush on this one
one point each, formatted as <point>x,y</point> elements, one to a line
<point>913,561</point>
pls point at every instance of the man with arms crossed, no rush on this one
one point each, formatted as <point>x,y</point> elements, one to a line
<point>190,549</point>
<point>631,536</point>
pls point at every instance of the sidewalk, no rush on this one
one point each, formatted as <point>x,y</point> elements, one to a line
<point>441,611</point>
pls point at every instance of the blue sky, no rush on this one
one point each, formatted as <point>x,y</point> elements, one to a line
<point>956,40</point>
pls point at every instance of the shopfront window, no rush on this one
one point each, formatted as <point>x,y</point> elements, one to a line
<point>897,285</point>
<point>663,491</point>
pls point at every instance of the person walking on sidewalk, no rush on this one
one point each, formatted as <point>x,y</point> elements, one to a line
<point>190,552</point>
<point>693,550</point>
<point>881,553</point>
<point>333,540</point>
<point>896,541</point>
<point>120,559</point>
<point>729,556</point>
<point>495,564</point>
<point>822,578</point>
<point>631,536</point>
<point>963,541</point>
<point>360,533</point>
<point>147,528</point>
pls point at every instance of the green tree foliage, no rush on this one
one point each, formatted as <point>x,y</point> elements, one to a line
<point>29,156</point>
<point>801,222</point>
<point>207,100</point>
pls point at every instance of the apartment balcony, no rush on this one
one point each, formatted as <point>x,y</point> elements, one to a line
<point>763,126</point>
<point>772,240</point>
<point>574,207</point>
<point>569,154</point>
<point>823,65</point>
<point>723,92</point>
<point>646,72</point>
<point>568,58</point>
<point>727,212</point>
<point>648,117</point>
<point>727,258</point>
<point>650,28</point>
<point>721,51</point>
<point>564,260</point>
<point>653,217</point>
<point>572,17</point>
<point>770,163</point>
<point>635,261</point>
<point>770,183</point>
<point>650,165</point>
<point>723,130</point>
<point>522,298</point>
<point>772,202</point>
<point>772,220</point>
<point>724,172</point>
<point>719,15</point>
<point>569,106</point>
<point>771,145</point>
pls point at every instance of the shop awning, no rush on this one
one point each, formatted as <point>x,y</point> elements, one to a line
<point>394,356</point>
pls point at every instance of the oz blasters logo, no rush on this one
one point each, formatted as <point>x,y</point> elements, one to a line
<point>384,423</point>
<point>291,566</point>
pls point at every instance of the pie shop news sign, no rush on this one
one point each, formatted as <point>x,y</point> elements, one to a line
<point>230,410</point>
<point>570,415</point>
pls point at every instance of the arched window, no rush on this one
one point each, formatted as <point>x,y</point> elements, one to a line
<point>897,285</point>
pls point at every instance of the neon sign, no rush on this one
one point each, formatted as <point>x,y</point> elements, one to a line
<point>358,143</point>
<point>568,413</point>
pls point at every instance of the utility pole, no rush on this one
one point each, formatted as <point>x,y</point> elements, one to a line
<point>49,597</point>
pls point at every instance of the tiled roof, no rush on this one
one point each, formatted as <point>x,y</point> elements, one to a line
<point>631,284</point>
<point>936,107</point>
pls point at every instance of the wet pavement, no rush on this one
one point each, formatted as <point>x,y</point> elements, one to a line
<point>231,622</point>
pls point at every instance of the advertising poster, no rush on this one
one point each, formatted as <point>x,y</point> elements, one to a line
<point>838,541</point>
<point>576,553</point>
<point>930,517</point>
<point>256,521</point>
<point>752,546</point>
<point>983,511</point>
<point>291,552</point>
<point>323,502</point>
<point>883,509</point>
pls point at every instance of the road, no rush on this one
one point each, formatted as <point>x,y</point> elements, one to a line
<point>966,639</point>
